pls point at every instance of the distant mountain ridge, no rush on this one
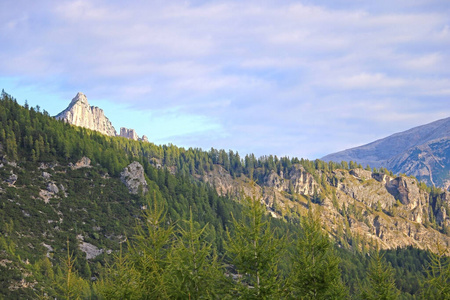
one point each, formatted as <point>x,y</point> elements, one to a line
<point>422,151</point>
<point>80,113</point>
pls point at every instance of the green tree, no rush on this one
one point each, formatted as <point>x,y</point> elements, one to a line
<point>437,283</point>
<point>255,253</point>
<point>315,272</point>
<point>194,270</point>
<point>380,283</point>
<point>121,280</point>
<point>149,251</point>
<point>68,284</point>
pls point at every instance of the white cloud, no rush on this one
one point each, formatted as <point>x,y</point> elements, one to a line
<point>276,65</point>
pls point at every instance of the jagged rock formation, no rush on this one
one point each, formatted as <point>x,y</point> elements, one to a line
<point>373,208</point>
<point>131,134</point>
<point>133,177</point>
<point>128,133</point>
<point>79,113</point>
<point>422,151</point>
<point>298,181</point>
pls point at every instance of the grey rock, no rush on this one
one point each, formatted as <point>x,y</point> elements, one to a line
<point>133,177</point>
<point>90,250</point>
<point>297,180</point>
<point>79,113</point>
<point>52,188</point>
<point>84,162</point>
<point>46,175</point>
<point>441,216</point>
<point>362,174</point>
<point>128,133</point>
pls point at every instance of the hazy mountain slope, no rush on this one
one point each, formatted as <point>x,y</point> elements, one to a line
<point>429,162</point>
<point>417,151</point>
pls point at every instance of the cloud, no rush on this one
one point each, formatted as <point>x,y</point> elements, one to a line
<point>268,76</point>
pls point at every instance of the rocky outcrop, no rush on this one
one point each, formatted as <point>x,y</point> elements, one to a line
<point>360,173</point>
<point>90,250</point>
<point>84,162</point>
<point>52,188</point>
<point>79,113</point>
<point>128,133</point>
<point>133,177</point>
<point>297,181</point>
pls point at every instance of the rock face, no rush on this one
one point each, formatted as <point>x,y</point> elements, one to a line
<point>133,177</point>
<point>297,181</point>
<point>373,208</point>
<point>422,151</point>
<point>79,113</point>
<point>52,188</point>
<point>128,133</point>
<point>84,162</point>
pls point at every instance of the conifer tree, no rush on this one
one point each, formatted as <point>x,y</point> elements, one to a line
<point>194,271</point>
<point>121,280</point>
<point>437,283</point>
<point>380,283</point>
<point>255,253</point>
<point>149,251</point>
<point>315,271</point>
<point>68,284</point>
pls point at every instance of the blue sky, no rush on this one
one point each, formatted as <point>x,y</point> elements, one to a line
<point>296,78</point>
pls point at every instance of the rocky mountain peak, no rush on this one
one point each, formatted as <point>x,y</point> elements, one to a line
<point>80,113</point>
<point>80,98</point>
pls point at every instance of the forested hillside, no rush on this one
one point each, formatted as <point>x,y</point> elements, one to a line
<point>212,224</point>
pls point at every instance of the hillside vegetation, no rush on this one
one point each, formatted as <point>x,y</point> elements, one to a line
<point>210,224</point>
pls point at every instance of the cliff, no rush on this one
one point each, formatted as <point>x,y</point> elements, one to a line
<point>359,208</point>
<point>79,113</point>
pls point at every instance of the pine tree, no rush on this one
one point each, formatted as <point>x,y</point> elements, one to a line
<point>121,280</point>
<point>194,271</point>
<point>68,284</point>
<point>255,253</point>
<point>380,283</point>
<point>437,283</point>
<point>315,273</point>
<point>149,251</point>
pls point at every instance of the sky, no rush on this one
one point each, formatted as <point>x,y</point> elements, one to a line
<point>288,78</point>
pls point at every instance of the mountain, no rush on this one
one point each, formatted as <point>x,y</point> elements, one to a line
<point>422,151</point>
<point>80,113</point>
<point>67,189</point>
